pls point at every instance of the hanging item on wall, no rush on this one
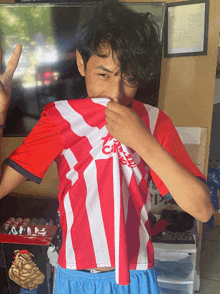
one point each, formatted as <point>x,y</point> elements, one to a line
<point>186,32</point>
<point>25,273</point>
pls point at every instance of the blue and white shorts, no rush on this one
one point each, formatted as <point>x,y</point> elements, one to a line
<point>79,282</point>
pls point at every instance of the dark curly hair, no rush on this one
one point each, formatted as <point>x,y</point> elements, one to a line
<point>133,36</point>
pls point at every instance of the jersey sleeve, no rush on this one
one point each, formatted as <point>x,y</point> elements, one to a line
<point>39,149</point>
<point>167,135</point>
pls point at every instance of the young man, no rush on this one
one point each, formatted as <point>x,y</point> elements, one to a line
<point>107,148</point>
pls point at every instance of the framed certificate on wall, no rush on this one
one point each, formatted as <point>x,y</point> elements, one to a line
<point>186,28</point>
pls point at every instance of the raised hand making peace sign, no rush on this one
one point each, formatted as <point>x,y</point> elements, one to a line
<point>6,79</point>
<point>10,177</point>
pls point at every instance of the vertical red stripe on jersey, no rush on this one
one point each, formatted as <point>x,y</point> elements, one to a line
<point>150,249</point>
<point>143,185</point>
<point>105,191</point>
<point>64,183</point>
<point>62,253</point>
<point>135,205</point>
<point>80,232</point>
<point>142,112</point>
<point>88,109</point>
<point>124,274</point>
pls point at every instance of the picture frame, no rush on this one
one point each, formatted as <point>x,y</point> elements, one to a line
<point>186,28</point>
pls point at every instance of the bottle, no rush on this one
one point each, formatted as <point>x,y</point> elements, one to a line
<point>14,229</point>
<point>34,222</point>
<point>42,221</point>
<point>6,227</point>
<point>23,226</point>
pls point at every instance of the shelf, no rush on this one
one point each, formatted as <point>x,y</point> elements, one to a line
<point>175,266</point>
<point>176,272</point>
<point>187,248</point>
<point>34,239</point>
<point>165,288</point>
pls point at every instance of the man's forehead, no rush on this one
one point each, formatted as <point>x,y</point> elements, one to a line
<point>109,69</point>
<point>109,63</point>
<point>106,49</point>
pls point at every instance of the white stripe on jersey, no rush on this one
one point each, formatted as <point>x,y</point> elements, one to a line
<point>127,173</point>
<point>70,254</point>
<point>72,161</point>
<point>117,208</point>
<point>101,101</point>
<point>77,122</point>
<point>96,152</point>
<point>149,201</point>
<point>153,115</point>
<point>137,174</point>
<point>147,168</point>
<point>144,237</point>
<point>96,223</point>
<point>135,157</point>
<point>126,178</point>
<point>81,128</point>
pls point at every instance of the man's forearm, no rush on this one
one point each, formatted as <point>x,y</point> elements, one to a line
<point>9,178</point>
<point>190,193</point>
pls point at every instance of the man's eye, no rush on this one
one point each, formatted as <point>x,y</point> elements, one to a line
<point>129,79</point>
<point>103,75</point>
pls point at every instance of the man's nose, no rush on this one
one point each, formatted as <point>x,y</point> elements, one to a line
<point>116,89</point>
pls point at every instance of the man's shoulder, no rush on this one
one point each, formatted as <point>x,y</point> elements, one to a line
<point>52,108</point>
<point>153,112</point>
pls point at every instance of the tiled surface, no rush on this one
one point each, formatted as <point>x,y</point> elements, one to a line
<point>210,261</point>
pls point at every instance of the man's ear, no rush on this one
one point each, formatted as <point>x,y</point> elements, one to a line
<point>80,63</point>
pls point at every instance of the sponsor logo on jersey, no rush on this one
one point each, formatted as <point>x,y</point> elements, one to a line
<point>111,145</point>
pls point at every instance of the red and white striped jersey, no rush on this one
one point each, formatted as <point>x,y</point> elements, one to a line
<point>103,196</point>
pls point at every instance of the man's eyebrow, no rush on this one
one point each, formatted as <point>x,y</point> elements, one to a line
<point>105,69</point>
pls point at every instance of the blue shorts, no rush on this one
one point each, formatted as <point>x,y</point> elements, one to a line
<point>79,282</point>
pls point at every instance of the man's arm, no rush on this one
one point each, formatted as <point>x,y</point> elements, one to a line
<point>10,178</point>
<point>190,193</point>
